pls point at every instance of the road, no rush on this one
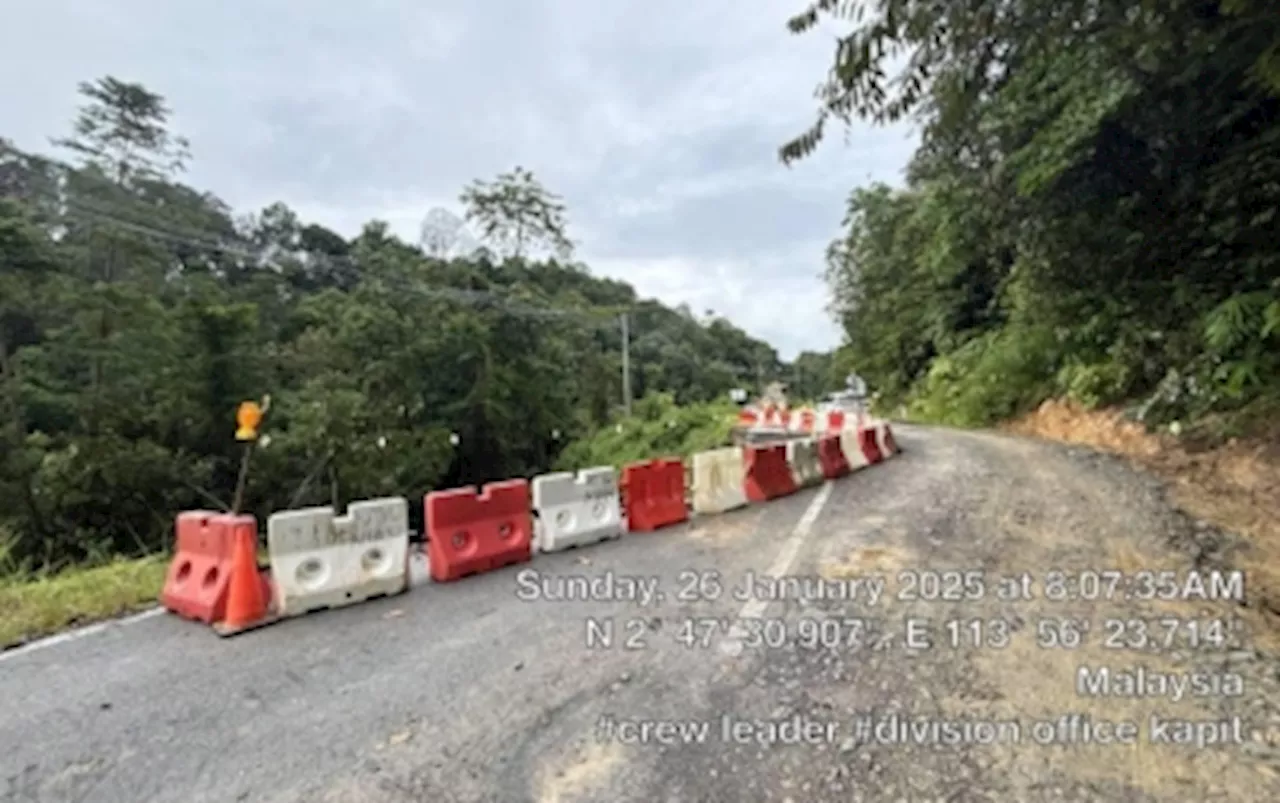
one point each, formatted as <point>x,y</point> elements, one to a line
<point>469,692</point>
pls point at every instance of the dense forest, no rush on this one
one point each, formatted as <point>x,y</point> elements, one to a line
<point>136,312</point>
<point>1092,212</point>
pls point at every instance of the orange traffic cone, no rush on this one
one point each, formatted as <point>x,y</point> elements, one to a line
<point>246,597</point>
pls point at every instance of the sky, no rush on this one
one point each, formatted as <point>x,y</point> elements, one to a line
<point>658,122</point>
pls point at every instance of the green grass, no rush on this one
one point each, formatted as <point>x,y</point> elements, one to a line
<point>30,608</point>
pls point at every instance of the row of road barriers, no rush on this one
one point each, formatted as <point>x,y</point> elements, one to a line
<point>319,560</point>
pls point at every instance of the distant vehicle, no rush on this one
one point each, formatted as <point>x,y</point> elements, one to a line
<point>856,385</point>
<point>852,399</point>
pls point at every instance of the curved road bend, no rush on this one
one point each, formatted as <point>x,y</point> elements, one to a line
<point>469,692</point>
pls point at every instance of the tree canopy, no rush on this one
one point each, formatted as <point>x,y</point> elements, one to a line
<point>1092,210</point>
<point>516,213</point>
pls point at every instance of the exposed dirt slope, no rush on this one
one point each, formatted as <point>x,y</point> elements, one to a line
<point>1234,486</point>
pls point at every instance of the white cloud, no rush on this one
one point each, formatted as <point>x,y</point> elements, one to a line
<point>657,121</point>
<point>767,295</point>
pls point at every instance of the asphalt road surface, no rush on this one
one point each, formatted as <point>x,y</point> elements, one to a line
<point>478,691</point>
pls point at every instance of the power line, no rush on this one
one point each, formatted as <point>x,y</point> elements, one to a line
<point>76,208</point>
<point>605,318</point>
<point>84,212</point>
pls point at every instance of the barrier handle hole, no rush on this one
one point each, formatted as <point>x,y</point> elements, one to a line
<point>310,570</point>
<point>373,559</point>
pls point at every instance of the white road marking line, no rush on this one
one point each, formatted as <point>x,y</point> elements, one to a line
<point>755,608</point>
<point>78,633</point>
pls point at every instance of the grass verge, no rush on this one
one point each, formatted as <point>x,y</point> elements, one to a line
<point>30,608</point>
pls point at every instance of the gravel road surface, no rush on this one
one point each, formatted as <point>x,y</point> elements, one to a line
<point>921,648</point>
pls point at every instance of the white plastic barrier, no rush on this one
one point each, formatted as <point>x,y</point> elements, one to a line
<point>718,477</point>
<point>852,449</point>
<point>804,420</point>
<point>319,560</point>
<point>883,439</point>
<point>802,456</point>
<point>575,510</point>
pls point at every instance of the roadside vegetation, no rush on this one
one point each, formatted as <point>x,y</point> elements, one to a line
<point>36,606</point>
<point>1091,215</point>
<point>658,427</point>
<point>136,312</point>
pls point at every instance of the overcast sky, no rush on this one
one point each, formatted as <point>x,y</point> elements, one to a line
<point>658,122</point>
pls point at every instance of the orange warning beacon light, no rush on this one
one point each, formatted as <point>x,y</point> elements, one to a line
<point>248,418</point>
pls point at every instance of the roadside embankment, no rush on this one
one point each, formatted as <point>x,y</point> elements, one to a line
<point>1231,484</point>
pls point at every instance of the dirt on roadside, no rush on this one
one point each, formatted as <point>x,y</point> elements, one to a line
<point>1232,486</point>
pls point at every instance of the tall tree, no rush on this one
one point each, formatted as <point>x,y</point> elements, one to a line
<point>515,212</point>
<point>124,129</point>
<point>122,135</point>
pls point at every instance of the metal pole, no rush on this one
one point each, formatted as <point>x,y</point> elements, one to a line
<point>626,366</point>
<point>243,478</point>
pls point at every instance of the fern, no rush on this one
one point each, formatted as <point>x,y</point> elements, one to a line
<point>1240,319</point>
<point>1241,335</point>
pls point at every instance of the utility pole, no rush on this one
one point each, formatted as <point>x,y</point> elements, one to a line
<point>626,366</point>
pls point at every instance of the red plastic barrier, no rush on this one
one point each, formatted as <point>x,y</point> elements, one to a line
<point>832,458</point>
<point>470,532</point>
<point>867,440</point>
<point>835,421</point>
<point>653,494</point>
<point>768,416</point>
<point>768,475</point>
<point>200,572</point>
<point>748,418</point>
